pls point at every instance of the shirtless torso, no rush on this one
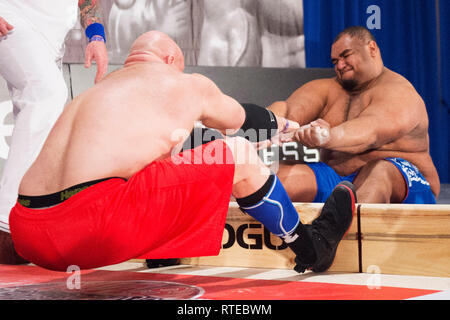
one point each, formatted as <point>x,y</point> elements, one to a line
<point>120,128</point>
<point>381,116</point>
<point>408,140</point>
<point>116,128</point>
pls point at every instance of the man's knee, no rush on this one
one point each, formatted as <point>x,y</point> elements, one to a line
<point>42,101</point>
<point>250,171</point>
<point>244,152</point>
<point>46,87</point>
<point>380,181</point>
<point>299,181</point>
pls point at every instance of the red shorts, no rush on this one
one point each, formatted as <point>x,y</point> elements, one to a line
<point>167,210</point>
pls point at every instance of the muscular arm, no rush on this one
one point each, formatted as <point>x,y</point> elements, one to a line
<point>222,112</point>
<point>219,111</point>
<point>96,49</point>
<point>88,12</point>
<point>392,114</point>
<point>305,104</point>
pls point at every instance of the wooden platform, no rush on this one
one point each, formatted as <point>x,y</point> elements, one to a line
<point>385,239</point>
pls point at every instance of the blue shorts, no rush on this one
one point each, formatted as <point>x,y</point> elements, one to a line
<point>418,190</point>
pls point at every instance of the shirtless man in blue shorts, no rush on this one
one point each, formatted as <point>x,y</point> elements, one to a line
<point>370,125</point>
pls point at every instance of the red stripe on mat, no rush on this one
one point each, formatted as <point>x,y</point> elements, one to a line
<point>221,288</point>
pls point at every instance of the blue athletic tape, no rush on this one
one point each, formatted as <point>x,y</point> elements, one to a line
<point>95,29</point>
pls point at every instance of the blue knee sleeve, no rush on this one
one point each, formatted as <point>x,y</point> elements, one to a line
<point>275,211</point>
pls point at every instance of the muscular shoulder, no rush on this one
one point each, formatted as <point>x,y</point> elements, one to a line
<point>320,85</point>
<point>201,84</point>
<point>317,89</point>
<point>394,87</point>
<point>197,79</point>
<point>394,98</point>
<point>306,103</point>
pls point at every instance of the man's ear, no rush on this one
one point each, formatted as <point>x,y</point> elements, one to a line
<point>373,48</point>
<point>169,59</point>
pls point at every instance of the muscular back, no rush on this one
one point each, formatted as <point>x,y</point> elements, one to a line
<point>119,126</point>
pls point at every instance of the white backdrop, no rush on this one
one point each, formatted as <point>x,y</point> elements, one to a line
<point>267,33</point>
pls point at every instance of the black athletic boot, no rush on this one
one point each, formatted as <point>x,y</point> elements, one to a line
<point>327,230</point>
<point>158,263</point>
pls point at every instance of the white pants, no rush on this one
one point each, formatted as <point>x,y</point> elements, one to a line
<point>32,70</point>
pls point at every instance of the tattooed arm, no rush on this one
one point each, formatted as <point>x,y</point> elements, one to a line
<point>96,49</point>
<point>89,12</point>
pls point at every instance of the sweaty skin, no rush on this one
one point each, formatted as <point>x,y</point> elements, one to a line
<point>371,112</point>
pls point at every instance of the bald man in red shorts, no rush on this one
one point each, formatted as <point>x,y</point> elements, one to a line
<point>110,186</point>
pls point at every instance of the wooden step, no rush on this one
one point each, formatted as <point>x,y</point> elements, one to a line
<point>246,243</point>
<point>388,239</point>
<point>406,239</point>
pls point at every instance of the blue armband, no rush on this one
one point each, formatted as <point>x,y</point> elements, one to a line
<point>94,30</point>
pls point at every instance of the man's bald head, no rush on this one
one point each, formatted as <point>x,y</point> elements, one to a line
<point>161,45</point>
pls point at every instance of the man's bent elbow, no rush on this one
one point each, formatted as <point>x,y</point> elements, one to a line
<point>279,108</point>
